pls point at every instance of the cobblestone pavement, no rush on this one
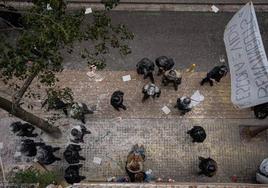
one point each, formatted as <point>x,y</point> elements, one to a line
<point>169,150</point>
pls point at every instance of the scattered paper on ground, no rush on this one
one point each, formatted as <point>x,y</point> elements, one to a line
<point>149,171</point>
<point>214,9</point>
<point>17,154</point>
<point>222,59</point>
<point>196,98</point>
<point>126,78</point>
<point>166,110</point>
<point>49,7</point>
<point>88,11</point>
<point>1,145</point>
<point>97,160</point>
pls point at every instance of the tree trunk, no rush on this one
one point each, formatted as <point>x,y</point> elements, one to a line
<point>29,117</point>
<point>18,95</point>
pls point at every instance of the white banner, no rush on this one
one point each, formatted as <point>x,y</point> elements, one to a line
<point>247,59</point>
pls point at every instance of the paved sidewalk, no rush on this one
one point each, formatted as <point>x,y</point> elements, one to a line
<point>169,150</point>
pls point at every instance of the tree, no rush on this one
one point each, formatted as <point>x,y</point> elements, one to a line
<point>43,33</point>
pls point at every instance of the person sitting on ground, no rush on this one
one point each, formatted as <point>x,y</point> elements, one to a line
<point>172,76</point>
<point>215,75</point>
<point>71,154</point>
<point>198,134</point>
<point>29,148</point>
<point>207,166</point>
<point>77,133</point>
<point>71,174</point>
<point>134,164</point>
<point>45,154</point>
<point>24,129</point>
<point>164,64</point>
<point>150,90</point>
<point>117,100</point>
<point>145,67</point>
<point>183,105</point>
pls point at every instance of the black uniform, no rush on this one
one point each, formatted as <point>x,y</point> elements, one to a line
<point>28,147</point>
<point>207,166</point>
<point>197,133</point>
<point>146,68</point>
<point>45,154</point>
<point>261,111</point>
<point>183,104</point>
<point>72,174</point>
<point>57,104</point>
<point>215,74</point>
<point>71,154</point>
<point>164,64</point>
<point>78,133</point>
<point>117,100</point>
<point>25,129</point>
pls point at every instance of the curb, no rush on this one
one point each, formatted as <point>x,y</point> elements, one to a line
<point>156,6</point>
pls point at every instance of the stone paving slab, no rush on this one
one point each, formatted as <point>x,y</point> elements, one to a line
<point>167,185</point>
<point>169,150</point>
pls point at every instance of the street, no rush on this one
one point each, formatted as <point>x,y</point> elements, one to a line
<point>187,37</point>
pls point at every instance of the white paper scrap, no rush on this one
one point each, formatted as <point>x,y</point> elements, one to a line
<point>1,145</point>
<point>214,9</point>
<point>166,110</point>
<point>196,98</point>
<point>49,7</point>
<point>88,10</point>
<point>126,78</point>
<point>148,172</point>
<point>97,160</point>
<point>17,154</point>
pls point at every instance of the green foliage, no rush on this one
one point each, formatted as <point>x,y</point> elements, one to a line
<point>48,28</point>
<point>33,176</point>
<point>55,94</point>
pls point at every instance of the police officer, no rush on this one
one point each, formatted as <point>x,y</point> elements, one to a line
<point>117,100</point>
<point>78,111</point>
<point>25,129</point>
<point>78,132</point>
<point>215,75</point>
<point>207,166</point>
<point>71,154</point>
<point>183,104</point>
<point>28,147</point>
<point>198,134</point>
<point>72,174</point>
<point>172,76</point>
<point>45,154</point>
<point>150,90</point>
<point>163,63</point>
<point>145,67</point>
